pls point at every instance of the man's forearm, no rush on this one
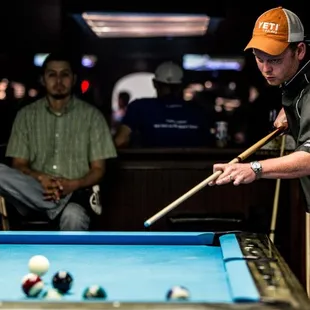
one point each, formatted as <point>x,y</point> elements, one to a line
<point>28,171</point>
<point>294,165</point>
<point>93,177</point>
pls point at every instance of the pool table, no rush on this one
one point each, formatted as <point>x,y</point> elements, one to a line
<point>222,270</point>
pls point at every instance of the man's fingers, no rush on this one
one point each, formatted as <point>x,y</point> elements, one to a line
<point>59,185</point>
<point>48,197</point>
<point>55,197</point>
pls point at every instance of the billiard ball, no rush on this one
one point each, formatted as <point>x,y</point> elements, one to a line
<point>52,293</point>
<point>62,281</point>
<point>178,293</point>
<point>38,265</point>
<point>32,285</point>
<point>94,291</point>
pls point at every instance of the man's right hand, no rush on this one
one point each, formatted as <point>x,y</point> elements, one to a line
<point>51,186</point>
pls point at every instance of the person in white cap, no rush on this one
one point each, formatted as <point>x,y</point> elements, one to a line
<point>167,120</point>
<point>281,54</point>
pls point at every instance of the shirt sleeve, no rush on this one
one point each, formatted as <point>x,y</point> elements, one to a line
<point>304,130</point>
<point>18,145</point>
<point>101,144</point>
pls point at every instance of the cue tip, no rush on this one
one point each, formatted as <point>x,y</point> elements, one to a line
<point>146,224</point>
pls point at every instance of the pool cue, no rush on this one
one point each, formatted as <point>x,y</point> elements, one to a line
<point>276,197</point>
<point>307,240</point>
<point>213,177</point>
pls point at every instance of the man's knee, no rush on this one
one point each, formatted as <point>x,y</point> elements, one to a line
<point>74,217</point>
<point>8,175</point>
<point>4,176</point>
<point>4,169</point>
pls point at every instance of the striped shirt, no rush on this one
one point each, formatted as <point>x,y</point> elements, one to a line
<point>61,145</point>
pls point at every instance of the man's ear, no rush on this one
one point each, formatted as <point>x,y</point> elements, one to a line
<point>301,50</point>
<point>74,79</point>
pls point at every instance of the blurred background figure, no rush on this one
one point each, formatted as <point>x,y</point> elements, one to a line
<point>230,125</point>
<point>167,120</point>
<point>123,100</point>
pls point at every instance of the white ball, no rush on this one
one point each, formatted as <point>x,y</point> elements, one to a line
<point>178,293</point>
<point>38,265</point>
<point>52,293</point>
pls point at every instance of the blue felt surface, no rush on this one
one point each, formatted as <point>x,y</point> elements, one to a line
<point>128,273</point>
<point>136,272</point>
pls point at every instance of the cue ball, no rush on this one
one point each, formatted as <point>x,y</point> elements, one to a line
<point>38,265</point>
<point>178,293</point>
<point>32,285</point>
<point>62,281</point>
<point>94,291</point>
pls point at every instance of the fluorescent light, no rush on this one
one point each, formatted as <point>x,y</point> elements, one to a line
<point>207,63</point>
<point>38,59</point>
<point>146,25</point>
<point>89,61</point>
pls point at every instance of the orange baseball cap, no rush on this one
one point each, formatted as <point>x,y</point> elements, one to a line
<point>275,29</point>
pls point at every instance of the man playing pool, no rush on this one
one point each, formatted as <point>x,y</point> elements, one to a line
<point>282,57</point>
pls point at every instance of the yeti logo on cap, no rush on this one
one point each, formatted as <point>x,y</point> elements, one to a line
<point>269,27</point>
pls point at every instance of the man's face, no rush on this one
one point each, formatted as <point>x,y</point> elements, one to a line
<point>278,69</point>
<point>58,79</point>
<point>121,103</point>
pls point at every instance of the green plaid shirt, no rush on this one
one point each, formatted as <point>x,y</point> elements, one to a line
<point>61,145</point>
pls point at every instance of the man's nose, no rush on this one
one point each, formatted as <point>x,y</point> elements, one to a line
<point>266,67</point>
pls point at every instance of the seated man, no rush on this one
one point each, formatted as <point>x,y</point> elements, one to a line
<point>58,147</point>
<point>168,120</point>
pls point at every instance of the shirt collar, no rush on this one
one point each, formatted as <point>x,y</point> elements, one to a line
<point>299,80</point>
<point>69,107</point>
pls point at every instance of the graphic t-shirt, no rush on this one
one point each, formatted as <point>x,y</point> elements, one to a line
<point>169,123</point>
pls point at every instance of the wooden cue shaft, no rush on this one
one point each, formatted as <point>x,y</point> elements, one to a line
<point>212,177</point>
<point>276,196</point>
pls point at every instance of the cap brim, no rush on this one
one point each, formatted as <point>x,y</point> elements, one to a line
<point>166,82</point>
<point>267,45</point>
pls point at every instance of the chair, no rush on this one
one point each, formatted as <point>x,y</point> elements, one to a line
<point>18,222</point>
<point>5,225</point>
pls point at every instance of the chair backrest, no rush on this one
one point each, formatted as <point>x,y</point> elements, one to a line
<point>3,215</point>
